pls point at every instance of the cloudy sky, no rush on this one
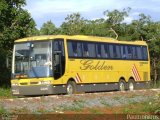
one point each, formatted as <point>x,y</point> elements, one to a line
<point>57,10</point>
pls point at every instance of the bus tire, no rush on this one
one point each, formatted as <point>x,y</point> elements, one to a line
<point>122,85</point>
<point>71,87</point>
<point>131,85</point>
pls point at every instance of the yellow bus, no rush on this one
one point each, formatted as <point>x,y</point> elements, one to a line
<point>61,64</point>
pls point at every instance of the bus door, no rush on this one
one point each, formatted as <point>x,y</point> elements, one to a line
<point>58,59</point>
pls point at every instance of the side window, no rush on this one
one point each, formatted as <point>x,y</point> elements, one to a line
<point>114,51</point>
<point>85,49</point>
<point>98,51</point>
<point>111,52</point>
<point>129,50</point>
<point>70,49</point>
<point>105,50</point>
<point>91,50</point>
<point>139,52</point>
<point>58,45</point>
<point>145,53</point>
<point>118,53</point>
<point>123,52</point>
<point>74,49</point>
<point>79,49</point>
<point>134,53</point>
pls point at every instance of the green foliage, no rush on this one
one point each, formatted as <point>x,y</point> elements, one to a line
<point>115,17</point>
<point>15,22</point>
<point>77,105</point>
<point>3,111</point>
<point>95,27</point>
<point>5,92</point>
<point>48,28</point>
<point>73,24</point>
<point>150,106</point>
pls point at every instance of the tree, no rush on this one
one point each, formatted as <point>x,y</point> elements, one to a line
<point>73,24</point>
<point>153,36</point>
<point>48,28</point>
<point>146,30</point>
<point>95,27</point>
<point>138,28</point>
<point>114,20</point>
<point>15,22</point>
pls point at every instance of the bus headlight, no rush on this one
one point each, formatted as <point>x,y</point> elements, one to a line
<point>44,82</point>
<point>14,84</point>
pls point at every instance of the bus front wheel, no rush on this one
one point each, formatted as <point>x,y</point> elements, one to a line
<point>71,87</point>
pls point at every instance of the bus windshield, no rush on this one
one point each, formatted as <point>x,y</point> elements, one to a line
<point>33,60</point>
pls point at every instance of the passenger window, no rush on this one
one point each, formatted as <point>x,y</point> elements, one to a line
<point>70,49</point>
<point>79,49</point>
<point>105,50</point>
<point>111,52</point>
<point>74,49</point>
<point>129,55</point>
<point>106,47</point>
<point>85,50</point>
<point>74,46</point>
<point>91,50</point>
<point>145,53</point>
<point>98,51</point>
<point>58,46</point>
<point>118,53</point>
<point>123,52</point>
<point>134,53</point>
<point>139,52</point>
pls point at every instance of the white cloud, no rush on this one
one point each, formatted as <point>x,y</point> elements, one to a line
<point>128,19</point>
<point>40,8</point>
<point>43,10</point>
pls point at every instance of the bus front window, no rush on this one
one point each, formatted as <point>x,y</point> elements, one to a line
<point>33,60</point>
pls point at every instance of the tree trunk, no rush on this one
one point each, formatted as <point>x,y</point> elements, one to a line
<point>155,71</point>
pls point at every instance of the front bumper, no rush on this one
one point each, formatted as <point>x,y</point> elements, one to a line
<point>38,90</point>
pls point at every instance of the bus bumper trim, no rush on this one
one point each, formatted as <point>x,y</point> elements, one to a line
<point>37,90</point>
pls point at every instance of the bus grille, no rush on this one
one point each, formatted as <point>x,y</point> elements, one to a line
<point>24,83</point>
<point>33,83</point>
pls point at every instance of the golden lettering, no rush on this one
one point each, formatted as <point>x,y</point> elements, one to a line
<point>90,65</point>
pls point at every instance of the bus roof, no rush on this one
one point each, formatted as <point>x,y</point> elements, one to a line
<point>80,37</point>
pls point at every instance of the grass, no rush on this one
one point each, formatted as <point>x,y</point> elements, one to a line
<point>157,85</point>
<point>95,111</point>
<point>150,106</point>
<point>105,103</point>
<point>5,92</point>
<point>76,106</point>
<point>3,111</point>
<point>117,97</point>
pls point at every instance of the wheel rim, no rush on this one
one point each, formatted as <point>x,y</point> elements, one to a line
<point>70,89</point>
<point>131,86</point>
<point>121,86</point>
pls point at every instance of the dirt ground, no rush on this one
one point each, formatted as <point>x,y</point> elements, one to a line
<point>87,103</point>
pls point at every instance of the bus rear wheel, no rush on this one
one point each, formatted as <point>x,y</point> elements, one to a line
<point>122,85</point>
<point>71,87</point>
<point>131,85</point>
